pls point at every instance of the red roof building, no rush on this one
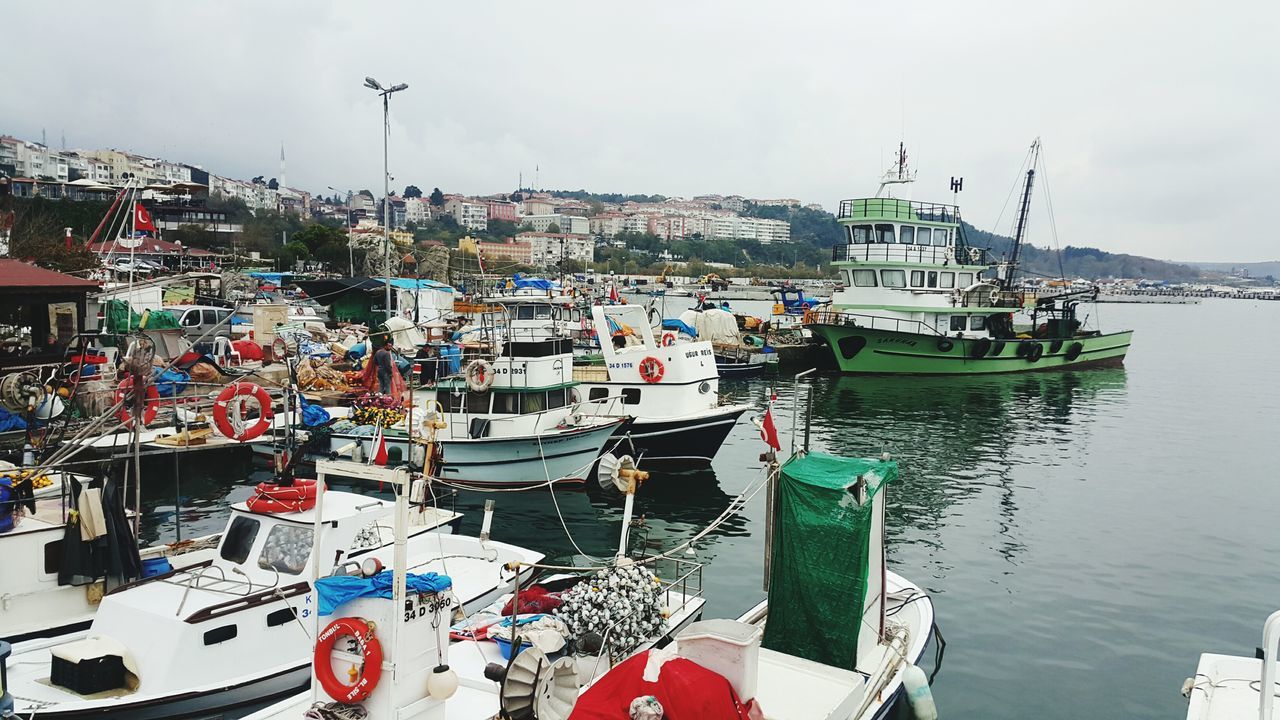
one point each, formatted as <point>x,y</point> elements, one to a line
<point>40,310</point>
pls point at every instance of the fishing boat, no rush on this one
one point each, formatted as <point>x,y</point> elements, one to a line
<point>671,388</point>
<point>915,298</point>
<point>234,629</point>
<point>1227,687</point>
<point>417,673</point>
<point>517,419</point>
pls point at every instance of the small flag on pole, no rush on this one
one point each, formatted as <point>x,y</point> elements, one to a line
<point>142,219</point>
<point>769,431</point>
<point>378,450</point>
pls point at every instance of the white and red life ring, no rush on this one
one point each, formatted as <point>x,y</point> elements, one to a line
<point>480,375</point>
<point>370,649</point>
<point>668,339</point>
<point>222,419</point>
<point>122,397</point>
<point>651,369</point>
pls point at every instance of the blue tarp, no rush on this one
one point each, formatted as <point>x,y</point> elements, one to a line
<point>313,415</point>
<point>523,281</point>
<point>9,421</point>
<point>274,278</point>
<point>336,590</point>
<point>418,284</point>
<point>679,326</point>
<point>171,382</point>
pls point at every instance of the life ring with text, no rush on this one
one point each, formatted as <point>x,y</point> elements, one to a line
<point>222,416</point>
<point>668,339</point>
<point>651,370</point>
<point>479,375</point>
<point>123,397</point>
<point>370,649</point>
<point>273,498</point>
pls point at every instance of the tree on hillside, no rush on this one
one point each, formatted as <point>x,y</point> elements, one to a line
<point>437,198</point>
<point>273,184</point>
<point>412,191</point>
<point>553,228</point>
<point>37,237</point>
<point>365,193</point>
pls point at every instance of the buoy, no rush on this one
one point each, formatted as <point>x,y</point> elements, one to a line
<point>918,693</point>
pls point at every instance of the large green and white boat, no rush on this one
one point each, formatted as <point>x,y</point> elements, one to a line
<point>917,298</point>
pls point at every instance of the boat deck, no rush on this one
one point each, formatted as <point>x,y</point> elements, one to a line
<point>1226,686</point>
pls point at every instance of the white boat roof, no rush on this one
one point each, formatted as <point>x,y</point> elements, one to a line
<point>338,505</point>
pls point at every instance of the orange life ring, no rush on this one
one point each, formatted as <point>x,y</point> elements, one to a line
<point>651,369</point>
<point>272,498</point>
<point>149,412</point>
<point>370,648</point>
<point>222,421</point>
<point>668,339</point>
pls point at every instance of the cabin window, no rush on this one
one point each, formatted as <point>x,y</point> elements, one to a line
<point>630,396</point>
<point>598,394</point>
<point>907,235</point>
<point>287,549</point>
<point>864,278</point>
<point>238,539</point>
<point>917,278</point>
<point>966,279</point>
<point>939,237</point>
<point>506,403</point>
<point>533,402</point>
<point>957,322</point>
<point>933,279</point>
<point>556,398</point>
<point>218,635</point>
<point>848,279</point>
<point>884,234</point>
<point>860,234</point>
<point>922,236</point>
<point>478,402</point>
<point>978,322</point>
<point>893,278</point>
<point>948,280</point>
<point>210,317</point>
<point>453,402</point>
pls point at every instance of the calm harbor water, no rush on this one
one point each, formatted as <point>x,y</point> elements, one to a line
<point>1085,534</point>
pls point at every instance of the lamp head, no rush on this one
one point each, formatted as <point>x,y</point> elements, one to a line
<point>398,88</point>
<point>372,84</point>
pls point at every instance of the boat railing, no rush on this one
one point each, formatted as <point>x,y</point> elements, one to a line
<point>898,252</point>
<point>573,408</point>
<point>871,322</point>
<point>897,209</point>
<point>679,575</point>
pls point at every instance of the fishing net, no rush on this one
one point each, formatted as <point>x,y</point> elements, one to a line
<point>821,539</point>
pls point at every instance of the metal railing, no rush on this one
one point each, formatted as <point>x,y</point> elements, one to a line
<point>871,322</point>
<point>895,209</point>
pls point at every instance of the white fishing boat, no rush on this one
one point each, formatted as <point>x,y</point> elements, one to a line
<point>515,420</point>
<point>671,388</point>
<point>234,629</point>
<point>424,676</point>
<point>1228,687</point>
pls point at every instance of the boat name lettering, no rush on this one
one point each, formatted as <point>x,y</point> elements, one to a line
<point>896,341</point>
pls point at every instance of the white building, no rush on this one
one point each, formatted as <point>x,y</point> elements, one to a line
<point>636,224</point>
<point>33,160</point>
<point>606,225</point>
<point>417,211</point>
<point>568,224</point>
<point>550,249</point>
<point>469,215</point>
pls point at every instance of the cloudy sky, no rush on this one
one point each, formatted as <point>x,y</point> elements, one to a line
<point>1157,119</point>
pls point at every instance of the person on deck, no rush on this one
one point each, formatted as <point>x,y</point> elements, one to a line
<point>427,363</point>
<point>383,361</point>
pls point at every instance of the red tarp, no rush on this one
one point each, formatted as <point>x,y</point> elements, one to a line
<point>686,690</point>
<point>248,349</point>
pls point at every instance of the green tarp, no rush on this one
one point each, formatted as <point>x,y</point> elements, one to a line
<point>120,318</point>
<point>821,537</point>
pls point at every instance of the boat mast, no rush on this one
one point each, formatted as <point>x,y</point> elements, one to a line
<point>1024,208</point>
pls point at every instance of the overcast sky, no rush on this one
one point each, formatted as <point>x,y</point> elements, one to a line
<point>1157,118</point>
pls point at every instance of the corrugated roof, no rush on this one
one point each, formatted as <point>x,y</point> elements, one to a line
<point>16,274</point>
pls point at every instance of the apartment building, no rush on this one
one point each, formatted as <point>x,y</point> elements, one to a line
<point>568,224</point>
<point>468,214</point>
<point>550,249</point>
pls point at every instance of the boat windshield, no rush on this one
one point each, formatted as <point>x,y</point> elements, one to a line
<point>238,539</point>
<point>287,549</point>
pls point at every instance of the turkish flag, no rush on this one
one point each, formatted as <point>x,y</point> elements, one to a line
<point>769,431</point>
<point>378,451</point>
<point>142,219</point>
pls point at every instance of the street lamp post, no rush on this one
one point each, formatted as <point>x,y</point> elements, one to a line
<point>386,180</point>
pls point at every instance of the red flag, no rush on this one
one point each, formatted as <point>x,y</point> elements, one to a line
<point>378,451</point>
<point>142,219</point>
<point>613,293</point>
<point>769,431</point>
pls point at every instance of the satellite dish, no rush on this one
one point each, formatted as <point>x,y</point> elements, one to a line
<point>612,471</point>
<point>534,688</point>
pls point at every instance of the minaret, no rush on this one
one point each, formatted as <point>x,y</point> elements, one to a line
<point>283,182</point>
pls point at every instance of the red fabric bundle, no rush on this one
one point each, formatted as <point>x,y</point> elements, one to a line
<point>686,690</point>
<point>534,600</point>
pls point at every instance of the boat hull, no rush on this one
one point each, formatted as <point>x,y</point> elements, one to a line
<point>858,349</point>
<point>692,441</point>
<point>563,456</point>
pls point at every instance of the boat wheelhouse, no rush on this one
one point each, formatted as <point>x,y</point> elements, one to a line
<point>917,297</point>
